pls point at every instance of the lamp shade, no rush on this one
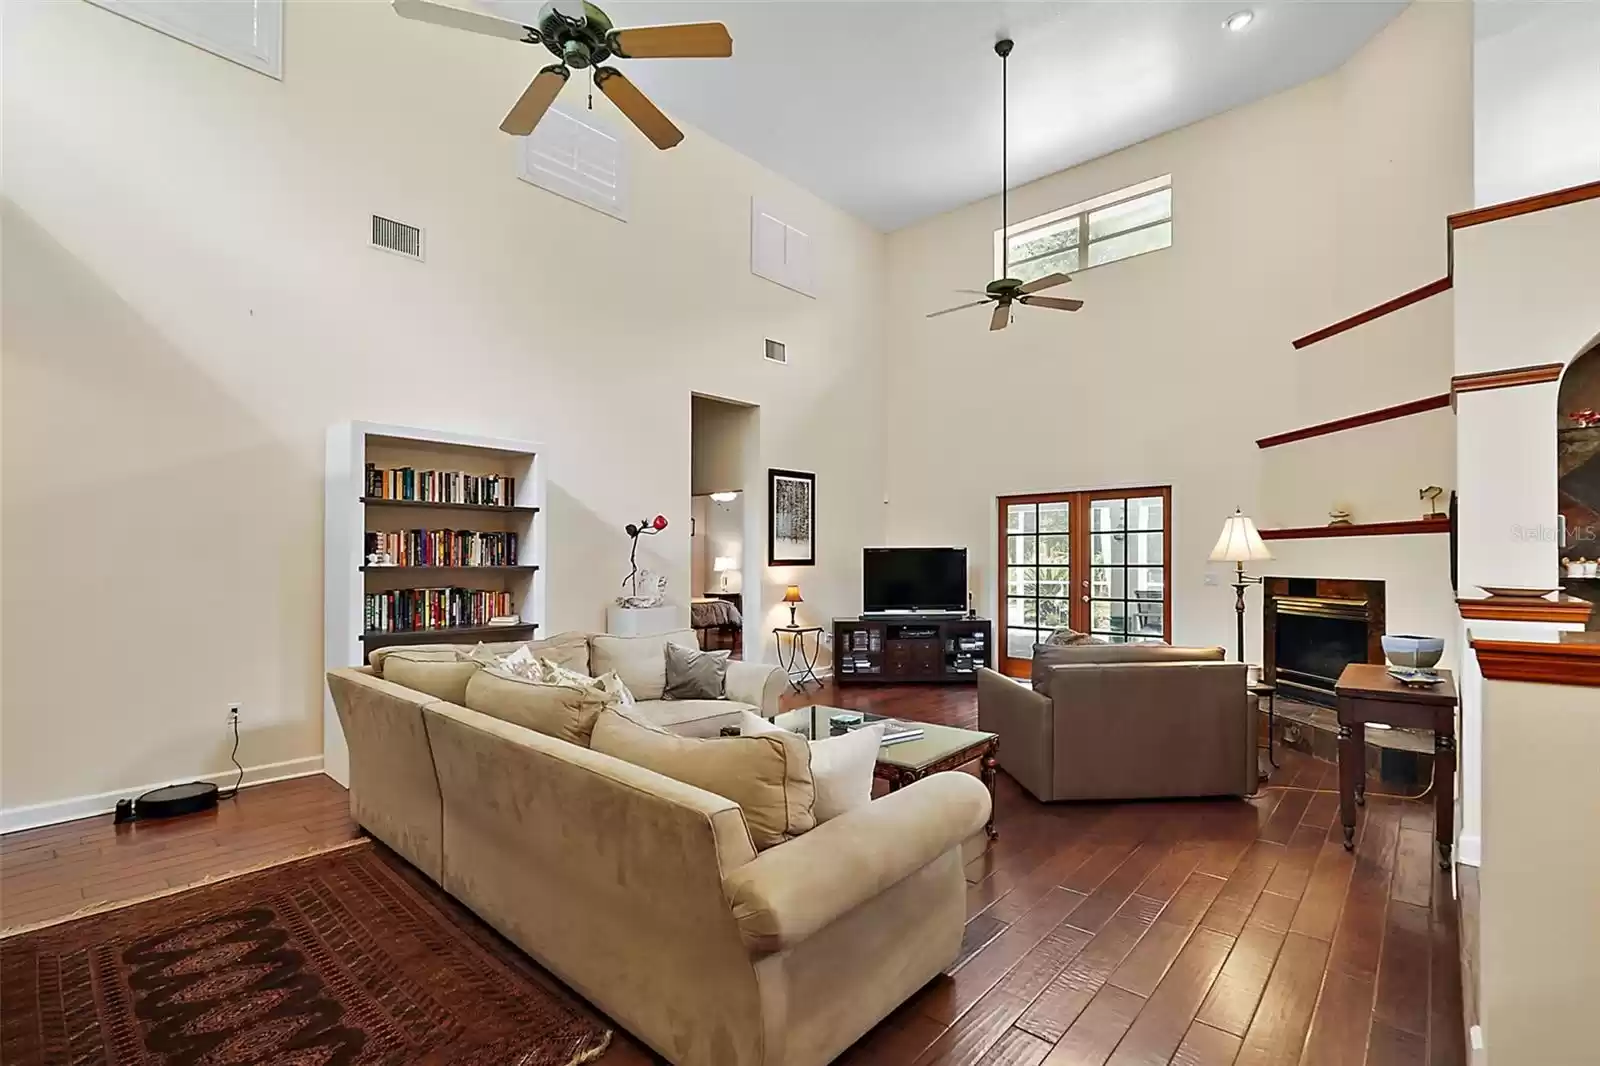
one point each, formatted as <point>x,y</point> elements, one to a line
<point>722,563</point>
<point>792,594</point>
<point>1239,543</point>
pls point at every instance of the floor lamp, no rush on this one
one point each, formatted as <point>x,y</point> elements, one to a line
<point>1240,544</point>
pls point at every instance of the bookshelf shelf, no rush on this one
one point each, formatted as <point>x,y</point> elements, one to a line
<point>374,501</point>
<point>368,457</point>
<point>444,635</point>
<point>448,569</point>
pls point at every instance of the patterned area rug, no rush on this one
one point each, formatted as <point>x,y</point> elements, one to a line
<point>345,959</point>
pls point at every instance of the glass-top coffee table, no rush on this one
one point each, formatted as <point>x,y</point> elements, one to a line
<point>941,747</point>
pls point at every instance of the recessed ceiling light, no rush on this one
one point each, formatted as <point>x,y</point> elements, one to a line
<point>1239,20</point>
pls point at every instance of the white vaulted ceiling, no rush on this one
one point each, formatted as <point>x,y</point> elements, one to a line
<point>890,109</point>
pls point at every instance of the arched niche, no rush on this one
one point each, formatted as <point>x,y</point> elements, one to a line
<point>1578,468</point>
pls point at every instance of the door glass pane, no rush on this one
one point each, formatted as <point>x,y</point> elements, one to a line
<point>1106,549</point>
<point>1107,514</point>
<point>1022,611</point>
<point>1108,616</point>
<point>1145,618</point>
<point>1145,548</point>
<point>1054,613</point>
<point>1055,581</point>
<point>1021,580</point>
<point>1020,642</point>
<point>1053,517</point>
<point>1021,549</point>
<point>1147,512</point>
<point>1055,549</point>
<point>1146,583</point>
<point>1107,582</point>
<point>1020,518</point>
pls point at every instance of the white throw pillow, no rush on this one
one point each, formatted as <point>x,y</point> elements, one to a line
<point>841,766</point>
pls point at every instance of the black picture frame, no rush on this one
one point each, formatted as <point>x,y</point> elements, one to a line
<point>791,509</point>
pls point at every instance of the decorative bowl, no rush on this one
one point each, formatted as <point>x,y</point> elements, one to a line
<point>1418,653</point>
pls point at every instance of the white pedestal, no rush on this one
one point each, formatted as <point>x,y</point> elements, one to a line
<point>644,621</point>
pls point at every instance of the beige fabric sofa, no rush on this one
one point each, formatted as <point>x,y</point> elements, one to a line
<point>1124,721</point>
<point>646,896</point>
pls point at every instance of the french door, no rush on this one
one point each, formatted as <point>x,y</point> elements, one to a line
<point>1095,561</point>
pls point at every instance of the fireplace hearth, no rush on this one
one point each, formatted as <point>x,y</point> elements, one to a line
<point>1312,628</point>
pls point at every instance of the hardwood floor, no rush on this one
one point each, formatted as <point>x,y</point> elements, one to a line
<point>1194,933</point>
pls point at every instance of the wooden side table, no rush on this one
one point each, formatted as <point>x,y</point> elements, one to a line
<point>1367,694</point>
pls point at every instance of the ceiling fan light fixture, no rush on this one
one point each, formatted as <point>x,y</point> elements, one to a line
<point>1239,20</point>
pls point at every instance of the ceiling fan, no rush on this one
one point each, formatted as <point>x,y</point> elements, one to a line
<point>581,35</point>
<point>1004,292</point>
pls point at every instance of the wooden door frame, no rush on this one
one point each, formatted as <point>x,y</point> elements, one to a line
<point>1078,561</point>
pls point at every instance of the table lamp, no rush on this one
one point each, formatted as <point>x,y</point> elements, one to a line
<point>1240,544</point>
<point>791,596</point>
<point>722,564</point>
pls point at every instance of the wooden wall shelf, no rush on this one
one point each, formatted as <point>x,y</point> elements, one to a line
<point>1417,295</point>
<point>1563,609</point>
<point>1506,379</point>
<point>1368,418</point>
<point>449,569</point>
<point>447,635</point>
<point>374,501</point>
<point>1526,206</point>
<point>1567,659</point>
<point>1359,529</point>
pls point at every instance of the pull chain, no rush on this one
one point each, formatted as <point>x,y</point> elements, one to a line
<point>591,88</point>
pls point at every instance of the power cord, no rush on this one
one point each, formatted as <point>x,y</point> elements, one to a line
<point>229,794</point>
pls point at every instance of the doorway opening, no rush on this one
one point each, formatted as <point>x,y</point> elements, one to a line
<point>726,492</point>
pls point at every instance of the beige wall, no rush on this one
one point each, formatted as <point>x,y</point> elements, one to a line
<point>189,303</point>
<point>1289,214</point>
<point>717,439</point>
<point>1538,919</point>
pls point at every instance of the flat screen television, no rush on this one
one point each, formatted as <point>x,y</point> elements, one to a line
<point>913,579</point>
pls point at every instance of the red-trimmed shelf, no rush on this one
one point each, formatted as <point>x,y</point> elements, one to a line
<point>1526,206</point>
<point>1417,295</point>
<point>1359,529</point>
<point>1338,425</point>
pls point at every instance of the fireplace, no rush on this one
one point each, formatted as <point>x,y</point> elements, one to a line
<point>1312,628</point>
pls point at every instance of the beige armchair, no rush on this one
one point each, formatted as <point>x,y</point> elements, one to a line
<point>1124,721</point>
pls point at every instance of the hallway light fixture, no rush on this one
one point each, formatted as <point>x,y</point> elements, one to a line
<point>1239,20</point>
<point>724,497</point>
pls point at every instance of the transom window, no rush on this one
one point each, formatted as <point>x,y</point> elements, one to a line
<point>1115,226</point>
<point>1093,561</point>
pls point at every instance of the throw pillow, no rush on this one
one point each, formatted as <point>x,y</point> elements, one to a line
<point>769,777</point>
<point>693,674</point>
<point>438,673</point>
<point>1066,636</point>
<point>566,709</point>
<point>570,650</point>
<point>841,766</point>
<point>639,661</point>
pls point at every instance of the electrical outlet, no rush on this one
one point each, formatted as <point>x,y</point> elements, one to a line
<point>233,713</point>
<point>827,640</point>
<point>1211,578</point>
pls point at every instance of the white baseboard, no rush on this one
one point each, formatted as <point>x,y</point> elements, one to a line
<point>13,819</point>
<point>1469,850</point>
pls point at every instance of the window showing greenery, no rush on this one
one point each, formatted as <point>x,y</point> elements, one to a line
<point>1116,226</point>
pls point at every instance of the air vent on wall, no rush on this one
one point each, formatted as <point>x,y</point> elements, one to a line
<point>397,237</point>
<point>776,352</point>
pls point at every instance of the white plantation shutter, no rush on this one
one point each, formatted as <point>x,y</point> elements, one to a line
<point>578,158</point>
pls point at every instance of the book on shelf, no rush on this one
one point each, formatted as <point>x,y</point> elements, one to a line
<point>444,547</point>
<point>415,610</point>
<point>439,486</point>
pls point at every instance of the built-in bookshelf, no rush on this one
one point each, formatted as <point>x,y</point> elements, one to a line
<point>430,534</point>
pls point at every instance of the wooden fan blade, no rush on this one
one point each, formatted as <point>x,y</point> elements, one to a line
<point>1052,301</point>
<point>637,106</point>
<point>471,21</point>
<point>1049,281</point>
<point>962,307</point>
<point>1002,316</point>
<point>535,101</point>
<point>694,40</point>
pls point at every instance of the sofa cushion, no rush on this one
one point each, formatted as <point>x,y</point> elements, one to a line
<point>693,674</point>
<point>769,777</point>
<point>1047,655</point>
<point>440,673</point>
<point>641,662</point>
<point>565,709</point>
<point>691,718</point>
<point>841,766</point>
<point>569,649</point>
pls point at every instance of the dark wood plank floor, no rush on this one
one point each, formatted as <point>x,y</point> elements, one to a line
<point>1196,933</point>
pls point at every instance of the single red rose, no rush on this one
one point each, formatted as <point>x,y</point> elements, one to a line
<point>661,522</point>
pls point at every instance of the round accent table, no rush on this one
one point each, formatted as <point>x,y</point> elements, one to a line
<point>801,662</point>
<point>1262,690</point>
